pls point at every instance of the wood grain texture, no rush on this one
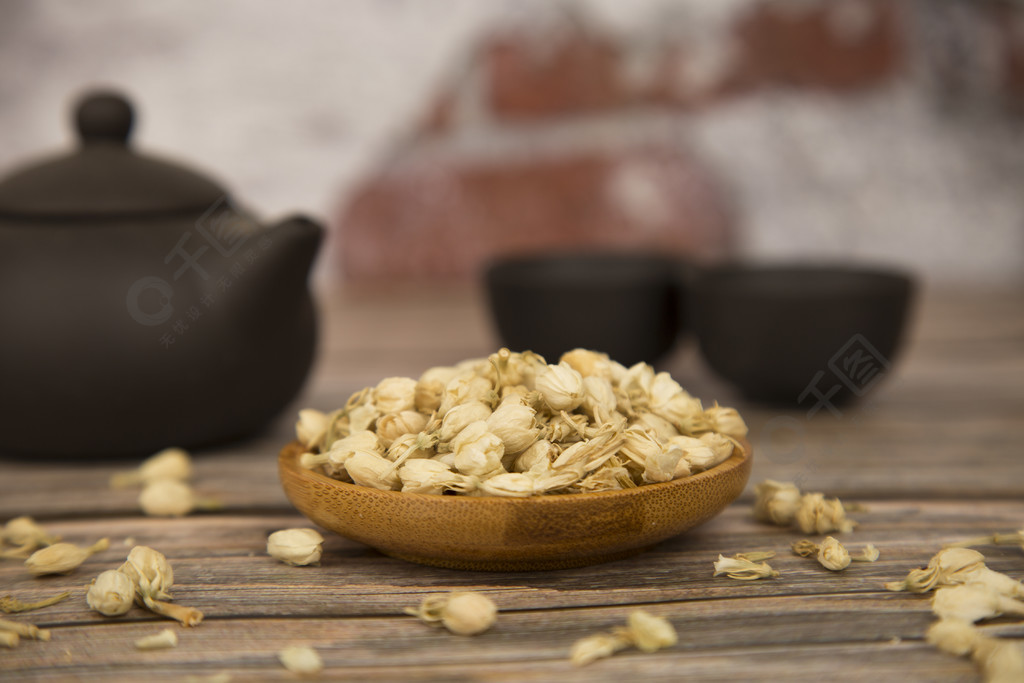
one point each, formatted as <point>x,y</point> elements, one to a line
<point>935,455</point>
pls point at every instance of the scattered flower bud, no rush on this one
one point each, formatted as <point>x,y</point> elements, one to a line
<point>973,602</point>
<point>153,577</point>
<point>832,555</point>
<point>22,531</point>
<point>61,558</point>
<point>776,502</point>
<point>954,566</point>
<point>650,633</point>
<point>297,547</point>
<point>21,537</point>
<point>170,463</point>
<point>816,515</point>
<point>9,639</point>
<point>743,570</point>
<point>111,593</point>
<point>590,649</point>
<point>561,387</point>
<point>166,498</point>
<point>463,613</point>
<point>304,661</point>
<point>24,630</point>
<point>953,636</point>
<point>1000,661</point>
<point>158,641</point>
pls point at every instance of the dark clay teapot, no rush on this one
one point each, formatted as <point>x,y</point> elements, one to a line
<point>140,307</point>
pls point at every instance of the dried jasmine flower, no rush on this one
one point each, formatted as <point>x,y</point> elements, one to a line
<point>461,416</point>
<point>816,515</point>
<point>832,555</point>
<point>170,463</point>
<point>170,498</point>
<point>649,633</point>
<point>9,639</point>
<point>372,470</point>
<point>297,547</point>
<point>643,630</point>
<point>477,451</point>
<point>726,421</point>
<point>776,502</point>
<point>514,423</point>
<point>428,476</point>
<point>395,395</point>
<point>508,485</point>
<point>953,636</point>
<point>599,400</point>
<point>1000,661</point>
<point>152,577</point>
<point>972,602</point>
<point>590,649</point>
<point>954,566</point>
<point>561,386</point>
<point>24,630</point>
<point>756,556</point>
<point>311,427</point>
<point>697,454</point>
<point>743,569</point>
<point>61,558</point>
<point>584,424</point>
<point>21,537</point>
<point>111,593</point>
<point>464,613</point>
<point>11,605</point>
<point>158,641</point>
<point>301,660</point>
<point>588,363</point>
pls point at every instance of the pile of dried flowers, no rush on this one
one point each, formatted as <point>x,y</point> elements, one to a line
<point>513,425</point>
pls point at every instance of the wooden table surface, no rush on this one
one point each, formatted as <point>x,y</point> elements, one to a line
<point>935,455</point>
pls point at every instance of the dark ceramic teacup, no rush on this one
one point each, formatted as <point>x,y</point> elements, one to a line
<point>811,335</point>
<point>625,304</point>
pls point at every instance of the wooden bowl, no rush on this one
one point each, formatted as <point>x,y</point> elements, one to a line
<point>512,534</point>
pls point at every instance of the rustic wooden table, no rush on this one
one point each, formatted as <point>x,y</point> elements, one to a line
<point>935,455</point>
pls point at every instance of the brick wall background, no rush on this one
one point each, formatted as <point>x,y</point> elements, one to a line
<point>435,134</point>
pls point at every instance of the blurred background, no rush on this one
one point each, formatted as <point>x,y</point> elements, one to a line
<point>434,135</point>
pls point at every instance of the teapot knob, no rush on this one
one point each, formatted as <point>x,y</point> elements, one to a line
<point>104,117</point>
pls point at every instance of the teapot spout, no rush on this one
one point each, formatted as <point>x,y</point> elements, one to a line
<point>279,281</point>
<point>295,242</point>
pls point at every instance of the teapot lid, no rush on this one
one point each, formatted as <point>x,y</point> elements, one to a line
<point>104,176</point>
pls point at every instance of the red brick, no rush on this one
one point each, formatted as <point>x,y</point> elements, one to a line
<point>570,70</point>
<point>445,221</point>
<point>806,46</point>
